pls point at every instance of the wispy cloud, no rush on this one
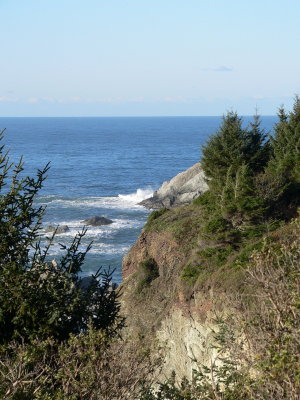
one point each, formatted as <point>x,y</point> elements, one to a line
<point>33,100</point>
<point>8,99</point>
<point>174,99</point>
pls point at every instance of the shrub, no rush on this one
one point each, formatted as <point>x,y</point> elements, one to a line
<point>148,271</point>
<point>156,214</point>
<point>88,366</point>
<point>190,273</point>
<point>216,224</point>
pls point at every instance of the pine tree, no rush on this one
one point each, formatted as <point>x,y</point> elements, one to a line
<point>233,146</point>
<point>226,149</point>
<point>231,160</point>
<point>285,144</point>
<point>258,146</point>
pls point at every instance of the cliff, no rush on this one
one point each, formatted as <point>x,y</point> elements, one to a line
<point>178,284</point>
<point>164,299</point>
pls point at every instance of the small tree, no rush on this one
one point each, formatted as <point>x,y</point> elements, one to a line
<point>231,160</point>
<point>283,168</point>
<point>285,159</point>
<point>232,147</point>
<point>39,297</point>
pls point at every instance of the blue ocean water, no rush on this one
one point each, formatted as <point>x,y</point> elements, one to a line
<point>105,166</point>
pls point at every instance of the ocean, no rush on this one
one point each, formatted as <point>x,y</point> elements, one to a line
<point>104,167</point>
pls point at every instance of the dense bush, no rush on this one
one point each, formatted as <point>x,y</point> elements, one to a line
<point>88,366</point>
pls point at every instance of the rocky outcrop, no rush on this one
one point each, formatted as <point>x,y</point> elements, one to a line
<point>189,342</point>
<point>181,189</point>
<point>58,229</point>
<point>181,321</point>
<point>97,221</point>
<point>160,247</point>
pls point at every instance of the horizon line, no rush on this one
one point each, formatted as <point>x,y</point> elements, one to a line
<point>132,116</point>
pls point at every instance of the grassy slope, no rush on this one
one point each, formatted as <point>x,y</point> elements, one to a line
<point>209,262</point>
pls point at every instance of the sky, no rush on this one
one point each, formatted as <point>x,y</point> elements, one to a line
<point>148,58</point>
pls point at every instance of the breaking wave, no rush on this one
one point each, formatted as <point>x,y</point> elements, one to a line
<point>122,201</point>
<point>138,196</point>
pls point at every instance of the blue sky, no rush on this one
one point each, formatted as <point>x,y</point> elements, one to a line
<point>138,57</point>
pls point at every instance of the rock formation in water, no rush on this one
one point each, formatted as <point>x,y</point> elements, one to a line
<point>181,189</point>
<point>58,229</point>
<point>97,221</point>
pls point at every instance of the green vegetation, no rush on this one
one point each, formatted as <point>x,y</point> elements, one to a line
<point>190,273</point>
<point>245,245</point>
<point>39,297</point>
<point>147,272</point>
<point>60,335</point>
<point>257,348</point>
<point>156,214</point>
<point>61,339</point>
<point>252,179</point>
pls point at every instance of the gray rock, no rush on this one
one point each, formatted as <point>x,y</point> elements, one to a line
<point>182,189</point>
<point>59,229</point>
<point>86,282</point>
<point>97,221</point>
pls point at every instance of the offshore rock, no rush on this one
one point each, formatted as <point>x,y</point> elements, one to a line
<point>97,221</point>
<point>58,229</point>
<point>180,190</point>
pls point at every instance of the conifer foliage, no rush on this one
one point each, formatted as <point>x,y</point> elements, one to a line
<point>40,297</point>
<point>231,159</point>
<point>253,178</point>
<point>232,147</point>
<point>286,144</point>
<point>284,165</point>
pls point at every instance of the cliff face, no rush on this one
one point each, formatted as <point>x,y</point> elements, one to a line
<point>159,246</point>
<point>163,306</point>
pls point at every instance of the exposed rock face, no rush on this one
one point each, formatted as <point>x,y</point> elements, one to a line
<point>180,320</point>
<point>189,341</point>
<point>169,308</point>
<point>59,229</point>
<point>97,221</point>
<point>181,189</point>
<point>161,247</point>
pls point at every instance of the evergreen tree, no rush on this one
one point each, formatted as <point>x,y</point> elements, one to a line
<point>231,160</point>
<point>258,146</point>
<point>226,149</point>
<point>239,200</point>
<point>233,146</point>
<point>280,182</point>
<point>40,297</point>
<point>285,159</point>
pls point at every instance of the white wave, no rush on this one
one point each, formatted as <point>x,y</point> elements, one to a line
<point>97,248</point>
<point>138,196</point>
<point>122,201</point>
<point>103,231</point>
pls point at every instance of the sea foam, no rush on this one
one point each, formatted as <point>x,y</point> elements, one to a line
<point>138,196</point>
